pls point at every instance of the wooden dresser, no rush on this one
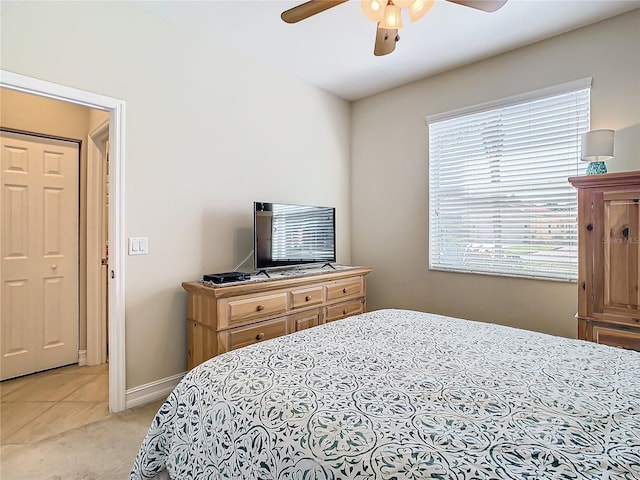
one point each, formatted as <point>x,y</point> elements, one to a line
<point>609,258</point>
<point>228,316</point>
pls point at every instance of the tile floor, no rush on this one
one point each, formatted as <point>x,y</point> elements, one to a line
<point>44,404</point>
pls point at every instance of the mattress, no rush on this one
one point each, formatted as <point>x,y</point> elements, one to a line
<point>397,394</point>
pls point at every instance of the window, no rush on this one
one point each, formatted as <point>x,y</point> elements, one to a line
<point>499,199</point>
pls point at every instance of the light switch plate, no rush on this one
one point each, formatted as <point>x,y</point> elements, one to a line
<point>138,246</point>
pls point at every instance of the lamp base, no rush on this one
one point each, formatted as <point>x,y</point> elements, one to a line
<point>596,168</point>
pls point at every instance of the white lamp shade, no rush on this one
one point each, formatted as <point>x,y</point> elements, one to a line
<point>419,8</point>
<point>388,13</point>
<point>597,145</point>
<point>373,9</point>
<point>392,17</point>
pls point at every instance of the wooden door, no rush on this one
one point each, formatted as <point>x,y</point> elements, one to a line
<point>617,257</point>
<point>39,247</point>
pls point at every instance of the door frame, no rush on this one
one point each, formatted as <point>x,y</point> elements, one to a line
<point>116,109</point>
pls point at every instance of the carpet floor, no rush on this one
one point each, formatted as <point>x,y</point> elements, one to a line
<point>104,450</point>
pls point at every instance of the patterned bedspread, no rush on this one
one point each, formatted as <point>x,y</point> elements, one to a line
<point>395,394</point>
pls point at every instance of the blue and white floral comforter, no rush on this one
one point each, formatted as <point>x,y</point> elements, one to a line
<point>395,394</point>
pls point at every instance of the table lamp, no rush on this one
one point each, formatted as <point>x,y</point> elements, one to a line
<point>597,146</point>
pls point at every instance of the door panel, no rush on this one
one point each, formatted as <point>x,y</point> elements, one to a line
<point>617,258</point>
<point>16,335</point>
<point>39,247</point>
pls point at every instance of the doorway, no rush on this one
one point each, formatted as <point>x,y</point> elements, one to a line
<point>115,108</point>
<point>40,177</point>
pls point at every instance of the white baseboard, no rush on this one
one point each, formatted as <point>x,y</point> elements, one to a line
<point>160,389</point>
<point>82,358</point>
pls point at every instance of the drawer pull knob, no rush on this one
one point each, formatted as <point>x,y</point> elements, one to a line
<point>344,290</point>
<point>307,298</point>
<point>260,308</point>
<point>260,336</point>
<point>590,227</point>
<point>344,312</point>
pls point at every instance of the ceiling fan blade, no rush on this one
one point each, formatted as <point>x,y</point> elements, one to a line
<point>484,5</point>
<point>386,39</point>
<point>307,9</point>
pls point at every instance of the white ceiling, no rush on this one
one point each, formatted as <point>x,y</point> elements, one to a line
<point>334,49</point>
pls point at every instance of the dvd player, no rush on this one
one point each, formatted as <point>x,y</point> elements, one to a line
<point>226,277</point>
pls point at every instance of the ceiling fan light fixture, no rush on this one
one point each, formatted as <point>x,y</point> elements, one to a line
<point>392,17</point>
<point>386,13</point>
<point>419,8</point>
<point>373,9</point>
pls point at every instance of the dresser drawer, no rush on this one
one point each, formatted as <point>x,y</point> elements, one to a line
<point>243,336</point>
<point>303,320</point>
<point>338,290</point>
<point>629,339</point>
<point>307,297</point>
<point>343,310</point>
<point>256,307</point>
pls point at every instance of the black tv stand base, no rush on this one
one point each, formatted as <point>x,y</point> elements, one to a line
<point>295,270</point>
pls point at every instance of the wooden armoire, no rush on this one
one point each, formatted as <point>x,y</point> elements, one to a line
<point>609,258</point>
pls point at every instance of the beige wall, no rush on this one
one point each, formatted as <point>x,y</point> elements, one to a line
<point>33,114</point>
<point>390,171</point>
<point>207,133</point>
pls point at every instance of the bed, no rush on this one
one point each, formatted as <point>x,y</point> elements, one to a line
<point>397,394</point>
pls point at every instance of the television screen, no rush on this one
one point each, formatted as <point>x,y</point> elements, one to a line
<point>289,235</point>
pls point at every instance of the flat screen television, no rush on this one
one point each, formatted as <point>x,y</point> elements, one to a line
<point>288,235</point>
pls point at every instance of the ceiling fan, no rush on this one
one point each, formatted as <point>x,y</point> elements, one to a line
<point>387,14</point>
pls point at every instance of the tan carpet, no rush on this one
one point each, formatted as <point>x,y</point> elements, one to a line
<point>104,450</point>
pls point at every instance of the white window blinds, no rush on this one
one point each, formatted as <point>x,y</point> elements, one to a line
<point>499,199</point>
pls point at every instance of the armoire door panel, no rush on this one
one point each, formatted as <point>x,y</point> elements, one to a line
<point>621,251</point>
